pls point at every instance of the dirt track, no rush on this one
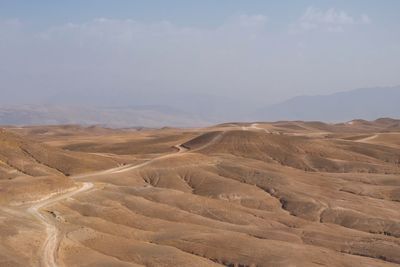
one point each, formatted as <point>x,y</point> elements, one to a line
<point>50,246</point>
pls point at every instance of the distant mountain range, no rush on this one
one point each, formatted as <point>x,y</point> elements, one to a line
<point>147,116</point>
<point>367,103</point>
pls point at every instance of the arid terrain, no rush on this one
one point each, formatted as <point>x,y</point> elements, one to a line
<point>235,194</point>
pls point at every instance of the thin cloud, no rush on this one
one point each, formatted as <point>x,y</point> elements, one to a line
<point>253,20</point>
<point>133,55</point>
<point>332,20</point>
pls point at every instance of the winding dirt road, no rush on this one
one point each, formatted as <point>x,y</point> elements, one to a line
<point>367,138</point>
<point>255,127</point>
<point>50,246</point>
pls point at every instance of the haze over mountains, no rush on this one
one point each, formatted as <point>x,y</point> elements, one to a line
<point>148,116</point>
<point>187,110</point>
<point>368,103</point>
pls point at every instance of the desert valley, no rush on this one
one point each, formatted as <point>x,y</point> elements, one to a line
<point>287,193</point>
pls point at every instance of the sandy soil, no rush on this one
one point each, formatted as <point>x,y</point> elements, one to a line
<point>235,194</point>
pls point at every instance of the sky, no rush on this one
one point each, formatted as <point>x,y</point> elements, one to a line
<point>127,52</point>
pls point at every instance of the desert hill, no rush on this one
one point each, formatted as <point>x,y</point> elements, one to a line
<point>310,154</point>
<point>26,165</point>
<point>37,159</point>
<point>235,194</point>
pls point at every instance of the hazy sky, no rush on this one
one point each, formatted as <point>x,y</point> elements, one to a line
<point>254,51</point>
